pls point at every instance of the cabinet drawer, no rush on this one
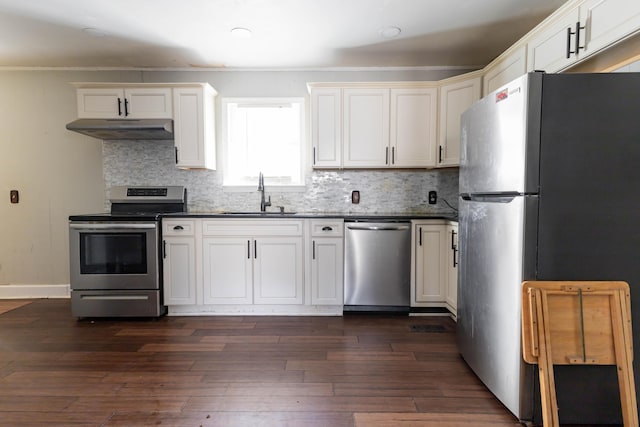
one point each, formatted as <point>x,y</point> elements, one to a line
<point>178,227</point>
<point>327,228</point>
<point>252,227</point>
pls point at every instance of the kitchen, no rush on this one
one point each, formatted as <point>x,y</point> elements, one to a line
<point>72,173</point>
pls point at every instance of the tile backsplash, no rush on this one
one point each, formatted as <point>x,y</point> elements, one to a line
<point>387,191</point>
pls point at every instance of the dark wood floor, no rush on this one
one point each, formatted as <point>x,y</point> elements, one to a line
<point>357,370</point>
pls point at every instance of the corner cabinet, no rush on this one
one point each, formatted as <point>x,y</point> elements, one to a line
<point>194,126</point>
<point>374,125</point>
<point>434,264</point>
<point>456,95</point>
<point>506,68</point>
<point>579,30</point>
<point>451,230</point>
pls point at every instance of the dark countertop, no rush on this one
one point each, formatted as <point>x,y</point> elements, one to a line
<point>451,216</point>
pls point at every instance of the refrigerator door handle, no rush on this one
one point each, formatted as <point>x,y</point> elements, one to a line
<point>491,198</point>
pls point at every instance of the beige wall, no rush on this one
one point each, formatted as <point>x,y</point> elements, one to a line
<point>57,173</point>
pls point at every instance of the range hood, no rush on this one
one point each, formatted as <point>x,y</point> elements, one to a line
<point>116,129</point>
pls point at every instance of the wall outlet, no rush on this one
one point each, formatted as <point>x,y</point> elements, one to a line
<point>14,196</point>
<point>355,197</point>
<point>433,197</point>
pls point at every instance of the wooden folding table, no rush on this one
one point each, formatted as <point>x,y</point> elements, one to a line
<point>578,323</point>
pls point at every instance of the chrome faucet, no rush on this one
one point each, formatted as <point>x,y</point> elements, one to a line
<point>263,203</point>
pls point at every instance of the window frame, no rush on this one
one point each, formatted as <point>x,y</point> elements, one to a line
<point>257,101</point>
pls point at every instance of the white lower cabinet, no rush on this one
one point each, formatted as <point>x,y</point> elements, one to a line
<point>228,270</point>
<point>434,276</point>
<point>179,262</point>
<point>327,262</point>
<point>452,267</point>
<point>430,268</point>
<point>277,270</point>
<point>253,262</point>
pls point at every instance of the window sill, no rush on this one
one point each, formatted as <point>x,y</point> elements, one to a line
<point>268,188</point>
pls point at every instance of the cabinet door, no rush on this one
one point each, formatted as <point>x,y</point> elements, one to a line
<point>278,276</point>
<point>227,264</point>
<point>452,267</point>
<point>326,127</point>
<point>194,134</point>
<point>553,48</point>
<point>179,271</point>
<point>366,128</point>
<point>100,103</point>
<point>505,70</point>
<point>327,271</point>
<point>413,127</point>
<point>430,264</point>
<point>455,98</point>
<point>607,21</point>
<point>148,103</point>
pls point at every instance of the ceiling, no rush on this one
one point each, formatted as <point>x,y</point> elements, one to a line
<point>284,33</point>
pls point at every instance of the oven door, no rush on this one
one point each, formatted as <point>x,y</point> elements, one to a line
<point>114,255</point>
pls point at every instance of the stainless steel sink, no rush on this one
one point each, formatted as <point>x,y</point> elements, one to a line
<point>268,213</point>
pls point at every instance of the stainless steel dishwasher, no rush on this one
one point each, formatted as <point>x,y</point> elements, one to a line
<point>377,269</point>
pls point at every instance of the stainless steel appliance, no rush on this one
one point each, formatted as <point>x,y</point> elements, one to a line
<point>548,191</point>
<point>377,268</point>
<point>115,258</point>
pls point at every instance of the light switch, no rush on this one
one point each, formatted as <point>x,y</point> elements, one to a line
<point>14,196</point>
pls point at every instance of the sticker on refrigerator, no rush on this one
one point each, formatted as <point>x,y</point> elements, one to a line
<point>502,95</point>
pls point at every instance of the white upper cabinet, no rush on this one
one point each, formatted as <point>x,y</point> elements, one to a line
<point>505,69</point>
<point>124,103</point>
<point>326,127</point>
<point>366,128</point>
<point>194,126</point>
<point>578,32</point>
<point>455,98</point>
<point>374,125</point>
<point>413,127</point>
<point>552,48</point>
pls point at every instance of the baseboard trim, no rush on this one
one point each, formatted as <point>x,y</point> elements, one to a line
<point>34,291</point>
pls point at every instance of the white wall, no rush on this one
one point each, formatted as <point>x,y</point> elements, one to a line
<point>59,173</point>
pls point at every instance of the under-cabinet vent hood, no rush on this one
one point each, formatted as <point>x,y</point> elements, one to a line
<point>116,129</point>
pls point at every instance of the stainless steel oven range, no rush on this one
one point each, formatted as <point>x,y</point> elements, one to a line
<point>115,259</point>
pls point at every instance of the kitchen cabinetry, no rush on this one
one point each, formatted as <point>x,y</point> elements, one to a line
<point>124,103</point>
<point>413,127</point>
<point>366,127</point>
<point>369,125</point>
<point>326,127</point>
<point>190,105</point>
<point>253,261</point>
<point>506,68</point>
<point>194,126</point>
<point>327,262</point>
<point>179,261</point>
<point>434,278</point>
<point>452,267</point>
<point>429,272</point>
<point>579,30</point>
<point>456,95</point>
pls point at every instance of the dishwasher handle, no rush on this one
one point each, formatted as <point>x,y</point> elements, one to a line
<point>390,227</point>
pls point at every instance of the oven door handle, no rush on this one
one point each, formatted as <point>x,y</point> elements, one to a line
<point>118,226</point>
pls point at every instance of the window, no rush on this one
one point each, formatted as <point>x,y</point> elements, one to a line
<point>263,135</point>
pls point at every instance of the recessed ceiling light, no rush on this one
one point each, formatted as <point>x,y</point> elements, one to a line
<point>240,32</point>
<point>94,32</point>
<point>389,32</point>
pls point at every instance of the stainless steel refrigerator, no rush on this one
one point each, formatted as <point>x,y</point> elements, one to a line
<point>549,190</point>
